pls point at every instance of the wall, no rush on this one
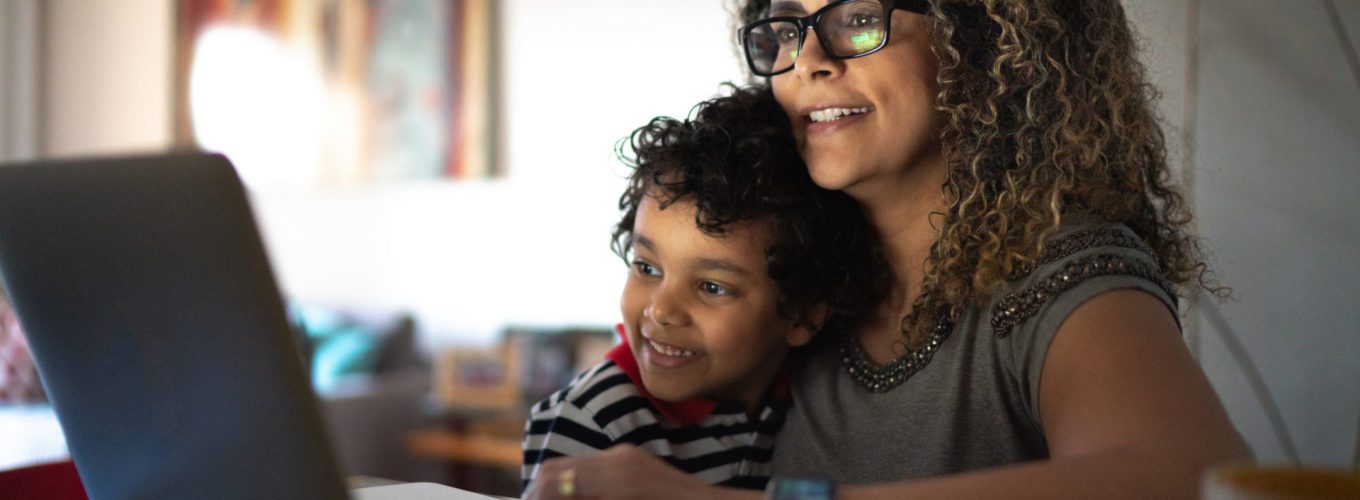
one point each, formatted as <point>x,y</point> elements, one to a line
<point>106,76</point>
<point>19,83</point>
<point>470,257</point>
<point>1278,165</point>
<point>1270,105</point>
<point>532,248</point>
<point>1268,110</point>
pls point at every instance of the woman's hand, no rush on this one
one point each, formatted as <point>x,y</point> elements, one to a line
<point>623,471</point>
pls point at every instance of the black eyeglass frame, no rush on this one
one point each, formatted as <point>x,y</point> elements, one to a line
<point>812,20</point>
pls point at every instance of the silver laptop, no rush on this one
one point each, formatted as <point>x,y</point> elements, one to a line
<point>159,332</point>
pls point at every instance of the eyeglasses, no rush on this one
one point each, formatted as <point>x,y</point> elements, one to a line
<point>846,29</point>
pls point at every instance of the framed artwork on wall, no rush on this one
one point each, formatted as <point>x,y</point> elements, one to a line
<point>304,92</point>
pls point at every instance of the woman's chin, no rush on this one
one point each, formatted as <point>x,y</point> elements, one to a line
<point>833,176</point>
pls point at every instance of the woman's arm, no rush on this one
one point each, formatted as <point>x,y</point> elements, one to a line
<point>1126,411</point>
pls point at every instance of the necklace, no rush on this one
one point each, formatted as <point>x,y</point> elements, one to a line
<point>880,379</point>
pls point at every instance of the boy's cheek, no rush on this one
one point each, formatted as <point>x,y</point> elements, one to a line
<point>630,309</point>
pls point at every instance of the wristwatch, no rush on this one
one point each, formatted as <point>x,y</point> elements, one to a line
<point>791,488</point>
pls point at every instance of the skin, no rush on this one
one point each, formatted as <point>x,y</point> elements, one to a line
<point>863,154</point>
<point>1118,423</point>
<point>710,296</point>
<point>888,159</point>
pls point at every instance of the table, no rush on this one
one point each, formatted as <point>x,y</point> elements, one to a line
<point>467,441</point>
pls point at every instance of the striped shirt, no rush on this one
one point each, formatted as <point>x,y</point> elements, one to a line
<point>606,405</point>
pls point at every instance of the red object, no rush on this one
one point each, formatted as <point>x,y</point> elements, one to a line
<point>51,481</point>
<point>683,413</point>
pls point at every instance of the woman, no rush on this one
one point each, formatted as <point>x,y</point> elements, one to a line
<point>1008,154</point>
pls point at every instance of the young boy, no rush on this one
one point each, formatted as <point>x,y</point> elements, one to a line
<point>736,258</point>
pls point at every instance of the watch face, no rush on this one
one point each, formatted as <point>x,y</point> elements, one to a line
<point>784,488</point>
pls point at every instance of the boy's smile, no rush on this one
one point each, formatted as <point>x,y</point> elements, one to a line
<point>700,310</point>
<point>665,355</point>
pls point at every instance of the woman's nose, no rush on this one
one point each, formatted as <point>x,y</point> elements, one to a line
<point>813,61</point>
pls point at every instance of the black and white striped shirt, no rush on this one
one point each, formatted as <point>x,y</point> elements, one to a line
<point>607,405</point>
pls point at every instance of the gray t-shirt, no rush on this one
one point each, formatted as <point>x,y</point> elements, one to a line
<point>976,403</point>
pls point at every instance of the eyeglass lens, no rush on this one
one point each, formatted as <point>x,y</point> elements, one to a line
<point>847,30</point>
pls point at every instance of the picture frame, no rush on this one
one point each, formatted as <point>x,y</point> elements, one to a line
<point>339,92</point>
<point>527,365</point>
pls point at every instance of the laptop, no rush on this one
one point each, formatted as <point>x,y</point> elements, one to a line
<point>159,332</point>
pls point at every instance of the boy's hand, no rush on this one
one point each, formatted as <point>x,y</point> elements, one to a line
<point>621,472</point>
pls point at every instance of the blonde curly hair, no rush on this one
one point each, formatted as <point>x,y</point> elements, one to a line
<point>1044,110</point>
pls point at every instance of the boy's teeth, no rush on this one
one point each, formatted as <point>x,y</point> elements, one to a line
<point>829,114</point>
<point>671,351</point>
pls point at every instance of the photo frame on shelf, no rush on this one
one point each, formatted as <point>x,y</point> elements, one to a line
<point>527,365</point>
<point>547,359</point>
<point>339,92</point>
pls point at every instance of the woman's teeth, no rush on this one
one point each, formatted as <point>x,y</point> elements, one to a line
<point>671,351</point>
<point>829,114</point>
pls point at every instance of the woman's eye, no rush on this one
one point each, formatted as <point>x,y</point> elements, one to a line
<point>645,269</point>
<point>712,288</point>
<point>862,20</point>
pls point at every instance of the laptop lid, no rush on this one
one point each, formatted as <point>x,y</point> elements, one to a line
<point>159,332</point>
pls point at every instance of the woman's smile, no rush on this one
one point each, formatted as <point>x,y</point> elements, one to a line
<point>826,120</point>
<point>836,113</point>
<point>866,121</point>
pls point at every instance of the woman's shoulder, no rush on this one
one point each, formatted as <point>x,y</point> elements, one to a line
<point>1086,257</point>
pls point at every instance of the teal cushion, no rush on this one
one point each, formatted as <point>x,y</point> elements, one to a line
<point>339,346</point>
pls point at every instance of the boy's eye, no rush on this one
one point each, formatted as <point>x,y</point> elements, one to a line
<point>712,288</point>
<point>645,269</point>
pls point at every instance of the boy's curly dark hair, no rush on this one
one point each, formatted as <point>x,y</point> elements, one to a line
<point>735,158</point>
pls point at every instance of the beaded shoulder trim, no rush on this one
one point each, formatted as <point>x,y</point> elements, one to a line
<point>1082,240</point>
<point>878,379</point>
<point>1019,306</point>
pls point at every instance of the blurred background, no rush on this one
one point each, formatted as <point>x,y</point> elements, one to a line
<point>445,170</point>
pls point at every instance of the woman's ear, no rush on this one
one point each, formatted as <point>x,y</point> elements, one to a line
<point>804,329</point>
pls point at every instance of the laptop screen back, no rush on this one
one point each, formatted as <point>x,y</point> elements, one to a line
<point>159,332</point>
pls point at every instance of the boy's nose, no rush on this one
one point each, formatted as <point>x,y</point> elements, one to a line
<point>665,308</point>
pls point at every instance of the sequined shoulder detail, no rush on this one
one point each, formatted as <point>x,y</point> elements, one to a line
<point>1019,306</point>
<point>1060,248</point>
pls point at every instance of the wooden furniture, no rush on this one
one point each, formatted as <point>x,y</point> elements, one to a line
<point>481,449</point>
<point>482,397</point>
<point>492,443</point>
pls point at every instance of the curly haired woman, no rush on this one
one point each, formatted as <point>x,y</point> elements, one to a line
<point>1008,154</point>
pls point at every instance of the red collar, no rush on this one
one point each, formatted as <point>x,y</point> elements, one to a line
<point>682,413</point>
